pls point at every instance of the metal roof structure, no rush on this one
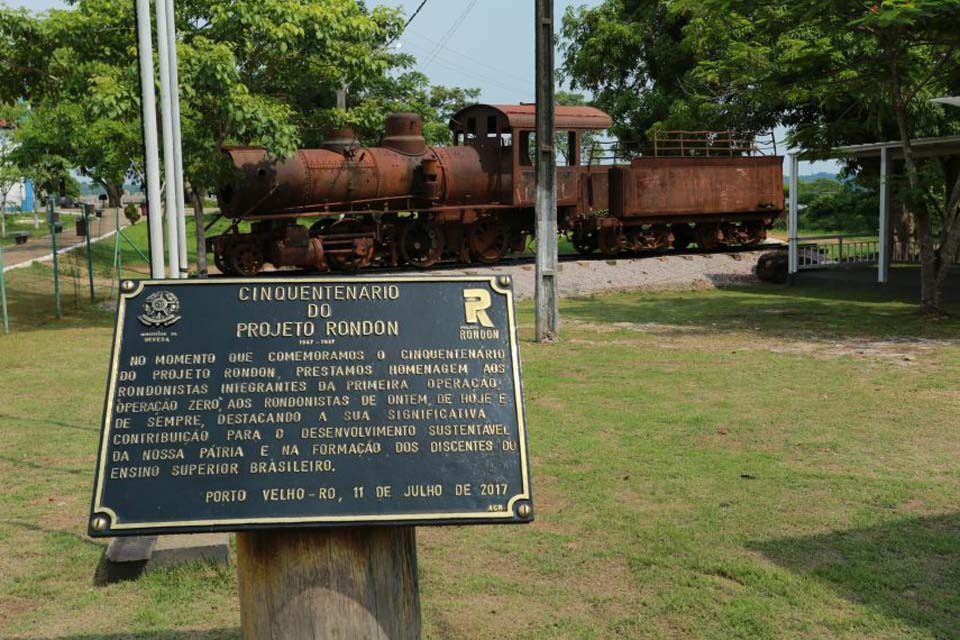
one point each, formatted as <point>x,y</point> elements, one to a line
<point>953,102</point>
<point>922,148</point>
<point>523,116</point>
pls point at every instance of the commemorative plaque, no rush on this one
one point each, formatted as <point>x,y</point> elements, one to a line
<point>264,403</point>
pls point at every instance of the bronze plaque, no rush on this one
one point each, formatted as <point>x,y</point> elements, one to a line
<point>269,402</point>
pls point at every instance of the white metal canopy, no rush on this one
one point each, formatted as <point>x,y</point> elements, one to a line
<point>953,102</point>
<point>886,151</point>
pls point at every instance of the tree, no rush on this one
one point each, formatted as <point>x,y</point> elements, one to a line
<point>848,68</point>
<point>251,73</point>
<point>10,173</point>
<point>410,91</point>
<point>66,64</point>
<point>845,204</point>
<point>263,72</point>
<point>639,59</point>
<point>843,72</point>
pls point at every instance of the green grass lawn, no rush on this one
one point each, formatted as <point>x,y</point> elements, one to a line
<point>758,462</point>
<point>134,246</point>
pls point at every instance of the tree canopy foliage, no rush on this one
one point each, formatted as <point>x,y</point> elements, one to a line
<point>854,71</point>
<point>264,72</point>
<point>821,69</point>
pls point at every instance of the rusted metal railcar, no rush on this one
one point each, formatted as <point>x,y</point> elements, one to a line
<point>657,202</point>
<point>406,202</point>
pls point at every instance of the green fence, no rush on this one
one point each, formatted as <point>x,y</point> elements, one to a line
<point>67,263</point>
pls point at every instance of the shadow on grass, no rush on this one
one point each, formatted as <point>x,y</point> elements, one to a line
<point>908,569</point>
<point>106,572</point>
<point>215,634</point>
<point>48,423</point>
<point>32,306</point>
<point>27,464</point>
<point>823,305</point>
<point>54,533</point>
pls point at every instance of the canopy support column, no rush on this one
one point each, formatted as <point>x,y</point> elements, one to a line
<point>792,232</point>
<point>883,266</point>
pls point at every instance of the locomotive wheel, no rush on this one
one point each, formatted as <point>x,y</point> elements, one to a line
<point>421,244</point>
<point>245,259</point>
<point>322,224</point>
<point>756,233</point>
<point>220,260</point>
<point>610,242</point>
<point>707,236</point>
<point>661,237</point>
<point>682,236</point>
<point>354,260</point>
<point>585,242</point>
<point>489,240</point>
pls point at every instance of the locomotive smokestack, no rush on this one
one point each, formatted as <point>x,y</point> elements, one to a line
<point>340,140</point>
<point>404,134</point>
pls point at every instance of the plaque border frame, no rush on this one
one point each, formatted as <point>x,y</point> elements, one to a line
<point>118,528</point>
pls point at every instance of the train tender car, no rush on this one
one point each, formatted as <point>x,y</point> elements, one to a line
<point>658,202</point>
<point>408,203</point>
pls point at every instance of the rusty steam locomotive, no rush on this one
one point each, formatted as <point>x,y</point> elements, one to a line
<point>407,203</point>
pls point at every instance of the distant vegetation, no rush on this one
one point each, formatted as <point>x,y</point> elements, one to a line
<point>836,205</point>
<point>812,177</point>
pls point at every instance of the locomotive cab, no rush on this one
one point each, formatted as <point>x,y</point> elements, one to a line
<point>512,130</point>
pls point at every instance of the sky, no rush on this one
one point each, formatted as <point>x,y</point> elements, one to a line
<point>484,44</point>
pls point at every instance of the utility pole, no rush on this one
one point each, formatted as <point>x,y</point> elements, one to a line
<point>546,265</point>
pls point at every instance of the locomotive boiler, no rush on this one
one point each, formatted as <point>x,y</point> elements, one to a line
<point>345,206</point>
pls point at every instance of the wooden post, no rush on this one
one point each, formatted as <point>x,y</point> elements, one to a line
<point>357,583</point>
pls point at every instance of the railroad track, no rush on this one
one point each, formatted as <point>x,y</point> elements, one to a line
<point>529,259</point>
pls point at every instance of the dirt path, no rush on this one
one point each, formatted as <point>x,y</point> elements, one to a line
<point>38,248</point>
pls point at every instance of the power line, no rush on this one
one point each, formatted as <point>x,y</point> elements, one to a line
<point>494,80</point>
<point>473,73</point>
<point>414,15</point>
<point>407,23</point>
<point>452,30</point>
<point>500,72</point>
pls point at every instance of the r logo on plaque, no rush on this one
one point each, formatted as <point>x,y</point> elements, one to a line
<point>244,404</point>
